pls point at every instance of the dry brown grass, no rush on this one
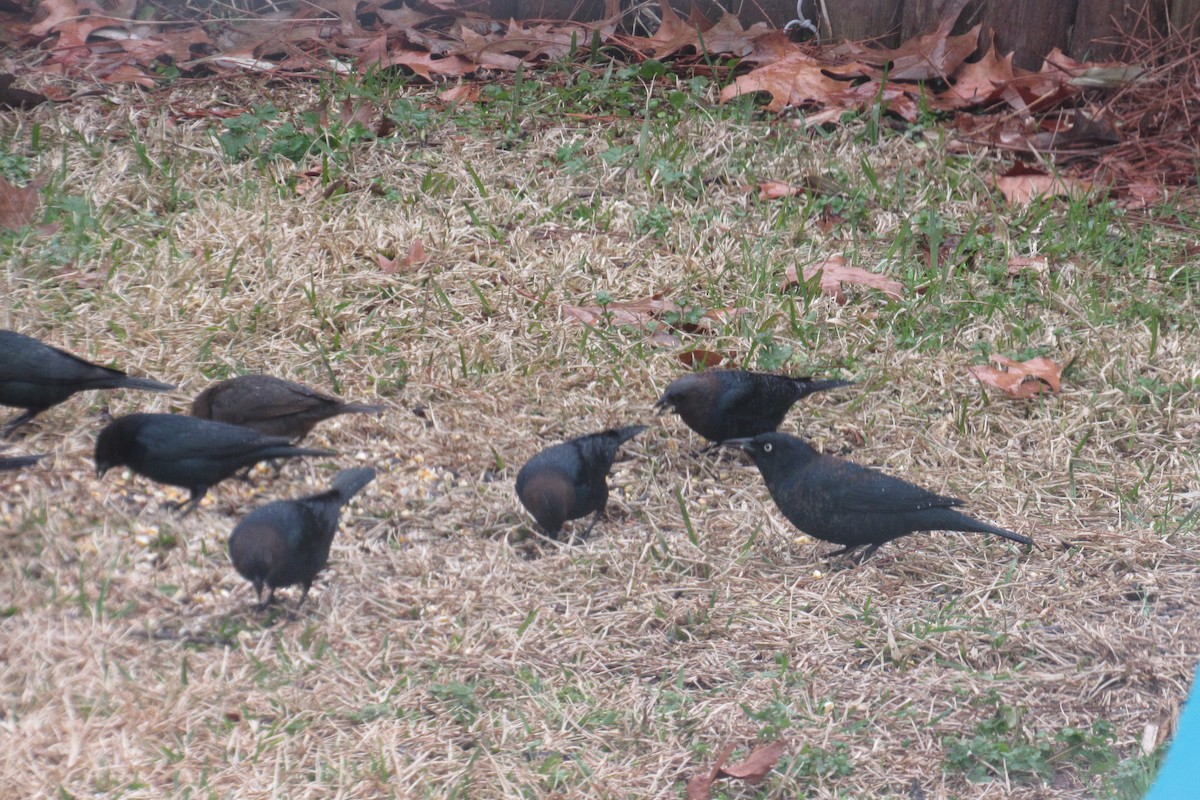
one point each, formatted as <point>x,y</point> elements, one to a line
<point>622,664</point>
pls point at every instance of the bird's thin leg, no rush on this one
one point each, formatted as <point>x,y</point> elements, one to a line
<point>588,530</point>
<point>258,598</point>
<point>193,502</point>
<point>303,596</point>
<point>870,551</point>
<point>11,426</point>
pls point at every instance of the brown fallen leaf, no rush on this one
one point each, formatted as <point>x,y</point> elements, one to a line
<point>426,65</point>
<point>672,34</point>
<point>415,257</point>
<point>19,204</point>
<point>1018,264</point>
<point>773,190</point>
<point>463,93</point>
<point>631,312</point>
<point>1023,183</point>
<point>700,786</point>
<point>835,271</point>
<point>793,81</point>
<point>934,54</point>
<point>756,765</point>
<point>652,309</point>
<point>1021,379</point>
<point>706,358</point>
<point>980,83</point>
<point>752,769</point>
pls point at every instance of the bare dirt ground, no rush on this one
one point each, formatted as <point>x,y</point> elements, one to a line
<point>450,652</point>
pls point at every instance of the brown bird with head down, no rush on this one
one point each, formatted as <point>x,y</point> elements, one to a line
<point>570,480</point>
<point>271,406</point>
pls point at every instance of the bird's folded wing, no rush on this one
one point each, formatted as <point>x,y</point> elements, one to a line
<point>875,492</point>
<point>48,367</point>
<point>231,442</point>
<point>279,402</point>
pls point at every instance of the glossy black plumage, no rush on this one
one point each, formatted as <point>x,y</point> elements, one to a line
<point>570,480</point>
<point>35,376</point>
<point>184,451</point>
<point>841,502</point>
<point>287,542</point>
<point>733,404</point>
<point>271,406</point>
<point>17,462</point>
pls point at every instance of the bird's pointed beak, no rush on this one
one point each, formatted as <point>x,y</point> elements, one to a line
<point>740,444</point>
<point>101,469</point>
<point>662,406</point>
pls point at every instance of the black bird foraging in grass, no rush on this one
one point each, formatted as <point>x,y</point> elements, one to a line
<point>271,406</point>
<point>839,501</point>
<point>570,480</point>
<point>17,462</point>
<point>194,454</point>
<point>733,404</point>
<point>287,542</point>
<point>35,376</point>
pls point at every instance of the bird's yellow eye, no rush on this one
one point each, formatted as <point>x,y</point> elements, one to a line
<point>767,447</point>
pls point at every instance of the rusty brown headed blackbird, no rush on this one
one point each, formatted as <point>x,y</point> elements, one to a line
<point>271,406</point>
<point>839,501</point>
<point>570,480</point>
<point>733,404</point>
<point>194,454</point>
<point>35,376</point>
<point>287,542</point>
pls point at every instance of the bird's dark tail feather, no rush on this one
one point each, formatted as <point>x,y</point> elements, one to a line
<point>16,462</point>
<point>359,408</point>
<point>972,525</point>
<point>126,382</point>
<point>288,451</point>
<point>350,482</point>
<point>809,386</point>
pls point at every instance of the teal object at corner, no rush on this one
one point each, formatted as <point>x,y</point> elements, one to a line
<point>1179,778</point>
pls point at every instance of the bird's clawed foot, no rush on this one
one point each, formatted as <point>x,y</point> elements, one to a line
<point>851,556</point>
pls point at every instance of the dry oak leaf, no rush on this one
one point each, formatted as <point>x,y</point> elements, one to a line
<point>752,770</point>
<point>792,81</point>
<point>672,34</point>
<point>773,190</point>
<point>1023,183</point>
<point>934,54</point>
<point>463,93</point>
<point>728,36</point>
<point>632,312</point>
<point>980,83</point>
<point>19,205</point>
<point>706,358</point>
<point>415,257</point>
<point>835,271</point>
<point>651,309</point>
<point>426,65</point>
<point>1018,264</point>
<point>1021,379</point>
